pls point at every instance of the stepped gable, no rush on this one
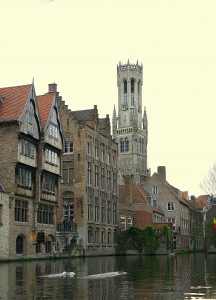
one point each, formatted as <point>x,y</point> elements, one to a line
<point>44,104</point>
<point>13,102</point>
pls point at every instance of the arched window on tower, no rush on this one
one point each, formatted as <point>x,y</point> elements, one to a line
<point>125,86</point>
<point>122,146</point>
<point>126,145</point>
<point>132,92</point>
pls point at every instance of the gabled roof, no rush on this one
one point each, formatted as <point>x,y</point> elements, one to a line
<point>175,192</point>
<point>202,201</point>
<point>13,102</point>
<point>45,103</point>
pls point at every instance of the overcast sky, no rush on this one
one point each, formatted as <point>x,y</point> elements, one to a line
<point>78,44</point>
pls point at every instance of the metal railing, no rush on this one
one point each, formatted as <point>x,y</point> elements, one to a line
<point>66,227</point>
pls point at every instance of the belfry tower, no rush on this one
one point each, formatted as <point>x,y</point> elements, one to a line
<point>130,126</point>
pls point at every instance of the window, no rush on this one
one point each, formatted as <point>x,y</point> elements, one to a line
<point>102,155</point>
<point>96,235</point>
<point>96,151</point>
<point>45,214</point>
<point>89,235</point>
<point>102,178</point>
<point>130,221</point>
<point>48,184</point>
<point>114,183</point>
<point>102,236</point>
<point>68,147</point>
<point>123,223</point>
<point>125,86</point>
<point>102,208</point>
<point>96,210</point>
<point>170,206</point>
<point>68,207</point>
<point>27,148</point>
<point>25,178</point>
<point>173,221</point>
<point>89,173</point>
<point>108,212</point>
<point>108,180</point>
<point>154,190</point>
<point>132,86</point>
<point>53,131</point>
<point>109,237</point>
<point>89,148</point>
<point>21,211</point>
<point>51,157</point>
<point>89,208</point>
<point>96,176</point>
<point>114,213</point>
<point>124,145</point>
<point>108,159</point>
<point>132,99</point>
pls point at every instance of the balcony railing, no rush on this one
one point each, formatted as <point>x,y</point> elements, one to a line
<point>66,227</point>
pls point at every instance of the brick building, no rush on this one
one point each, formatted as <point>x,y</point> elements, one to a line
<point>89,193</point>
<point>175,207</point>
<point>31,143</point>
<point>136,207</point>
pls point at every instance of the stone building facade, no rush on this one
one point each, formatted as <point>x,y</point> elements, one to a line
<point>30,149</point>
<point>89,191</point>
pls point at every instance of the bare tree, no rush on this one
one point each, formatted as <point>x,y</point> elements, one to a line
<point>209,182</point>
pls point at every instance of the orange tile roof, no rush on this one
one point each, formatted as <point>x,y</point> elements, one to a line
<point>202,201</point>
<point>13,102</point>
<point>44,105</point>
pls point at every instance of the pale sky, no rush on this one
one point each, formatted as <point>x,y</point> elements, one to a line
<point>78,44</point>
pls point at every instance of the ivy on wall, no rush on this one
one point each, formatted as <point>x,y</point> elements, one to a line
<point>146,240</point>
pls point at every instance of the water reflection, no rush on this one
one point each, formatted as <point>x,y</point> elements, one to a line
<point>155,277</point>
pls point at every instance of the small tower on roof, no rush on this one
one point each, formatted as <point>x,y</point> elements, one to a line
<point>130,127</point>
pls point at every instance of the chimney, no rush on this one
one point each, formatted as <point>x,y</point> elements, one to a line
<point>52,88</point>
<point>161,170</point>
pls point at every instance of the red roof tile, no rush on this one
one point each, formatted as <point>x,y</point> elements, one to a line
<point>44,105</point>
<point>13,102</point>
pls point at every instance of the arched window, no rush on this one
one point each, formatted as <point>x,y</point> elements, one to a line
<point>132,86</point>
<point>126,145</point>
<point>19,245</point>
<point>89,235</point>
<point>125,86</point>
<point>122,146</point>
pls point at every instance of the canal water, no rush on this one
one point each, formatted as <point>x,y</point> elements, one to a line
<point>188,276</point>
